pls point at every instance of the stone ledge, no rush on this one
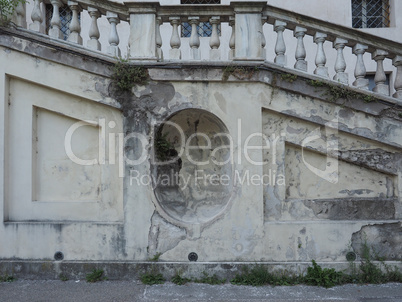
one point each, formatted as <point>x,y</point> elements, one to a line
<point>123,270</point>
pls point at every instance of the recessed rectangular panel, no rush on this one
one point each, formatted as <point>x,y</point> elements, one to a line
<point>56,177</point>
<point>55,168</point>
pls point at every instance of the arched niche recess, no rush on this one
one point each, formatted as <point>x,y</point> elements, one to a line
<point>192,168</point>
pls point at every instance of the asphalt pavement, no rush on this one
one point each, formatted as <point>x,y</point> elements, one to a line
<point>80,290</point>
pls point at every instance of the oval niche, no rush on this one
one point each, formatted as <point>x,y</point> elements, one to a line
<point>192,168</point>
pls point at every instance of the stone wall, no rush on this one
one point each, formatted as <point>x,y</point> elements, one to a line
<point>261,166</point>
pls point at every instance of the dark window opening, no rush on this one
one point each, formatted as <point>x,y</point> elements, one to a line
<point>65,18</point>
<point>370,13</point>
<point>204,29</point>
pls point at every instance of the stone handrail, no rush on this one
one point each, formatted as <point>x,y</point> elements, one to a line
<point>247,39</point>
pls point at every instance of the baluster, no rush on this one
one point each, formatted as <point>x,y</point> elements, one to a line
<point>55,30</point>
<point>175,43</point>
<point>300,54</point>
<point>320,58</point>
<point>20,12</point>
<point>214,43</point>
<point>397,62</point>
<point>280,47</point>
<point>75,27</point>
<point>232,41</point>
<point>36,17</point>
<point>94,34</point>
<point>360,69</point>
<point>263,40</point>
<point>194,38</point>
<point>380,77</point>
<point>158,39</point>
<point>113,48</point>
<point>340,63</point>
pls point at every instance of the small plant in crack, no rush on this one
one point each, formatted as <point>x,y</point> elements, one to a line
<point>326,277</point>
<point>95,276</point>
<point>152,278</point>
<point>179,280</point>
<point>155,257</point>
<point>7,278</point>
<point>213,280</point>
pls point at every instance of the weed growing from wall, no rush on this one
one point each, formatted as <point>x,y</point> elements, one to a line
<point>95,276</point>
<point>125,75</point>
<point>7,278</point>
<point>326,277</point>
<point>155,258</point>
<point>152,278</point>
<point>163,148</point>
<point>207,279</point>
<point>7,9</point>
<point>179,280</point>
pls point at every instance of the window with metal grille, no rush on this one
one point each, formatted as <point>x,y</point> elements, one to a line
<point>370,13</point>
<point>200,1</point>
<point>204,29</point>
<point>65,18</point>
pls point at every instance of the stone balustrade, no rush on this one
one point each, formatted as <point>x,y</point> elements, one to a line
<point>248,23</point>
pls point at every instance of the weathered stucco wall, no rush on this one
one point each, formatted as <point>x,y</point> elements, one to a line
<point>289,175</point>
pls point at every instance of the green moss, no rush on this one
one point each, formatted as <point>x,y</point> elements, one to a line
<point>239,72</point>
<point>288,77</point>
<point>337,92</point>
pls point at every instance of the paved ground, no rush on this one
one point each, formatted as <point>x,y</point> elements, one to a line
<point>40,291</point>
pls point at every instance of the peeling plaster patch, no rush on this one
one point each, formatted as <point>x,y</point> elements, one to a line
<point>294,131</point>
<point>163,236</point>
<point>352,209</point>
<point>384,240</point>
<point>374,158</point>
<point>346,113</point>
<point>356,192</point>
